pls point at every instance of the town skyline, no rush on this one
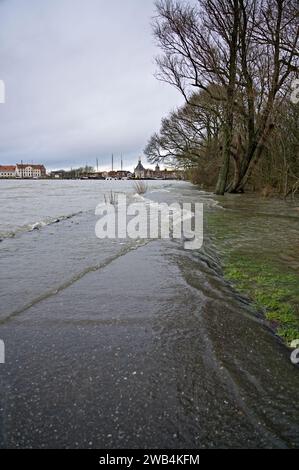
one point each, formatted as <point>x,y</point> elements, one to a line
<point>38,171</point>
<point>119,164</point>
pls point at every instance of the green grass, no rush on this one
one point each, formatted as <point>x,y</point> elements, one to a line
<point>274,292</point>
<point>251,263</point>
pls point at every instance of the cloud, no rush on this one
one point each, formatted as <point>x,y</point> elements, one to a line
<point>79,81</point>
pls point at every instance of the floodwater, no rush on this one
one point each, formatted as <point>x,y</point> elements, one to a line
<point>265,227</point>
<point>132,344</point>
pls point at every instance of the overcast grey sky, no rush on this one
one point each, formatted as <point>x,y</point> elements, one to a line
<point>79,81</point>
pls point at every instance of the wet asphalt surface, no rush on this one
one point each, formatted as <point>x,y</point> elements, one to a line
<point>152,350</point>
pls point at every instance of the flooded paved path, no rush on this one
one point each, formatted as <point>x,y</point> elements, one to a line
<point>144,345</point>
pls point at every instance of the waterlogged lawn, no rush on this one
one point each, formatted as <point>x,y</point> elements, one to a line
<point>274,292</point>
<point>259,251</point>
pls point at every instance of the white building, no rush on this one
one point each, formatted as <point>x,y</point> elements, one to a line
<point>30,171</point>
<point>8,171</point>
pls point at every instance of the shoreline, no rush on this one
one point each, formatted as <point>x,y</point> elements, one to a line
<point>263,278</point>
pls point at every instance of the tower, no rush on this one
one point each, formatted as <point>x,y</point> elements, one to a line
<point>139,170</point>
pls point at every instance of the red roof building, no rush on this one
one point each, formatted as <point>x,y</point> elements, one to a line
<point>28,170</point>
<point>7,171</point>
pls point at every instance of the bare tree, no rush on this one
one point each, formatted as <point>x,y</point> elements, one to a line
<point>249,49</point>
<point>269,41</point>
<point>190,136</point>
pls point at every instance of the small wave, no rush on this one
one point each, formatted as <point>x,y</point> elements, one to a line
<point>160,191</point>
<point>36,226</point>
<point>212,204</point>
<point>139,197</point>
<point>125,250</point>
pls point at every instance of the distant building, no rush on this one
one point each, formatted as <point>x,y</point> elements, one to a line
<point>59,174</point>
<point>30,171</point>
<point>172,175</point>
<point>8,171</point>
<point>143,173</point>
<point>22,171</point>
<point>123,175</point>
<point>140,171</point>
<point>112,175</point>
<point>98,175</point>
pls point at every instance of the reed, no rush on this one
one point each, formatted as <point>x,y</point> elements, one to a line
<point>141,187</point>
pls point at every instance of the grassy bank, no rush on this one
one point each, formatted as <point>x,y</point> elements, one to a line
<point>273,292</point>
<point>257,269</point>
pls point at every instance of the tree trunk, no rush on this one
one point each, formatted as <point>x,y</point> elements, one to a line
<point>257,139</point>
<point>223,173</point>
<point>229,113</point>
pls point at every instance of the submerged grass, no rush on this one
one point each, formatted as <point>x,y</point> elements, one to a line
<point>271,286</point>
<point>111,198</point>
<point>272,291</point>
